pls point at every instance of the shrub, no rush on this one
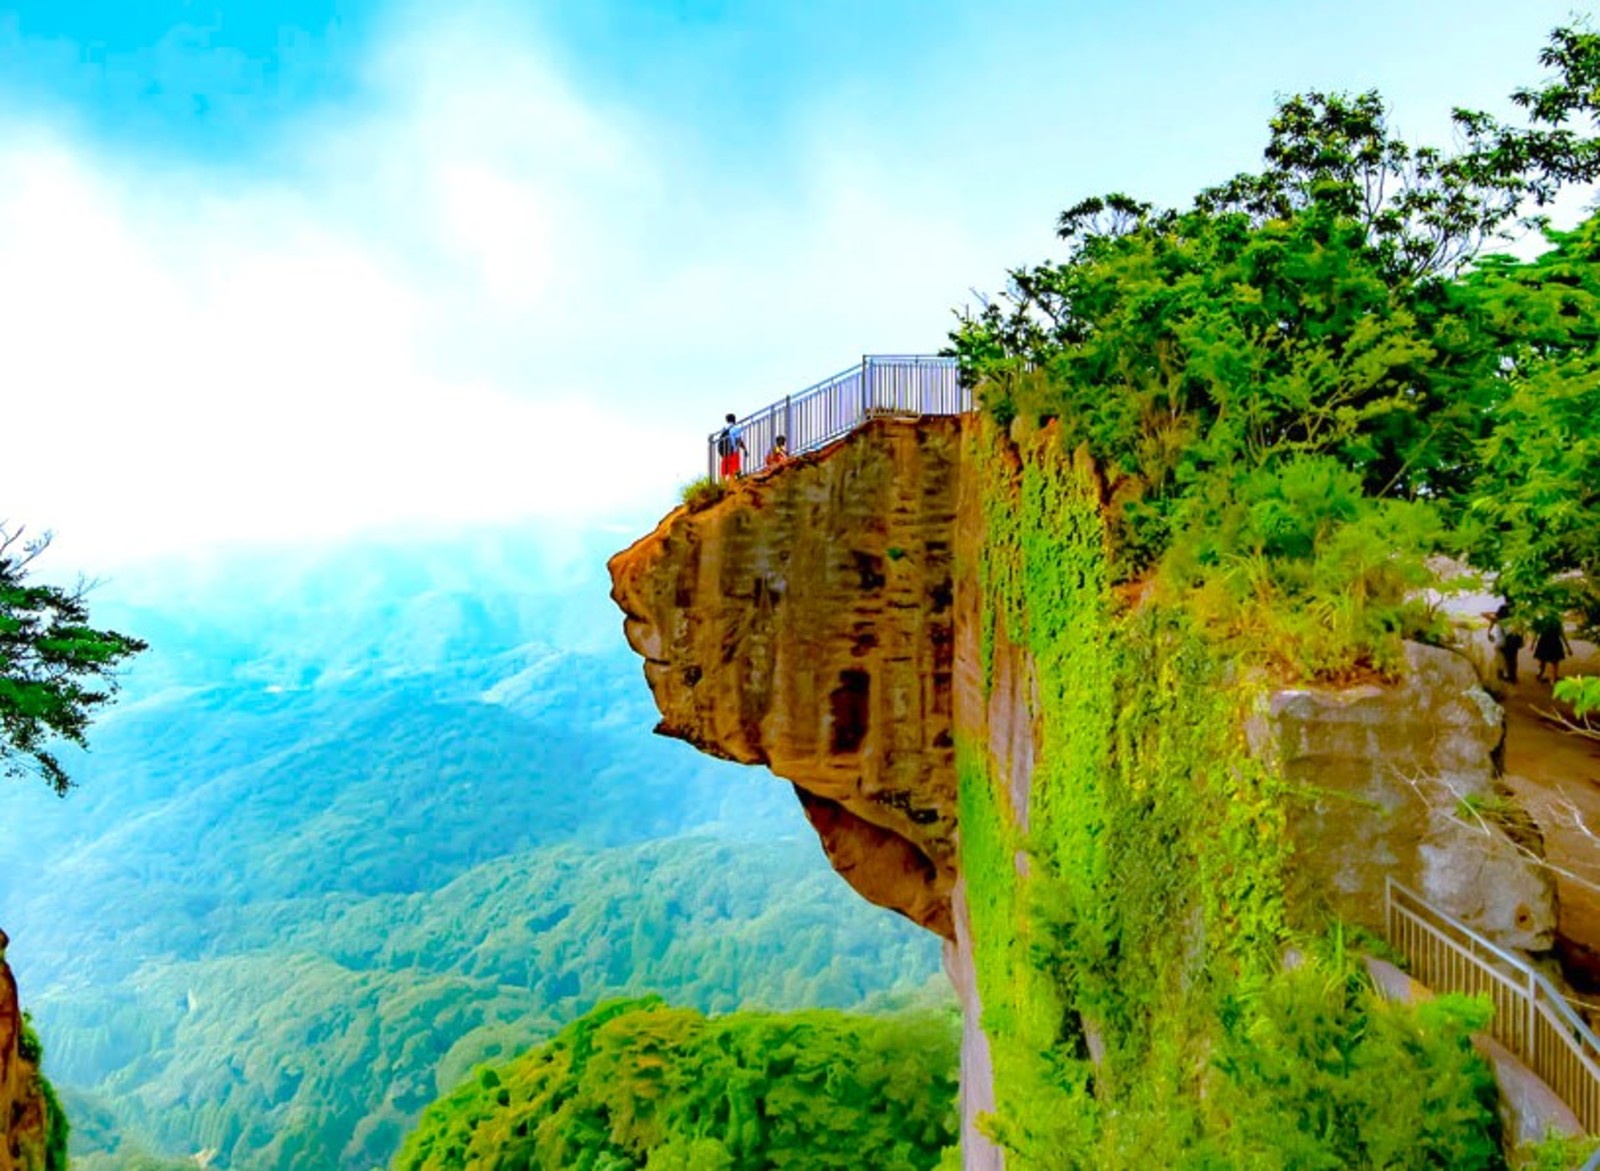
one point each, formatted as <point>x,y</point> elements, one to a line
<point>703,492</point>
<point>55,1147</point>
<point>1315,1070</point>
<point>28,1046</point>
<point>1556,1153</point>
<point>1297,567</point>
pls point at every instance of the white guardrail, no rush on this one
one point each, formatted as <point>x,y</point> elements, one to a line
<point>878,385</point>
<point>1531,1017</point>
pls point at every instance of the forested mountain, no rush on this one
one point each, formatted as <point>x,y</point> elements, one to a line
<point>363,822</point>
<point>639,1084</point>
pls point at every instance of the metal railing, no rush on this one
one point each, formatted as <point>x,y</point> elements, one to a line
<point>880,384</point>
<point>1531,1018</point>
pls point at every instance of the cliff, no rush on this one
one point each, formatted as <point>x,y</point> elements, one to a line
<point>916,622</point>
<point>806,622</point>
<point>824,622</point>
<point>25,1112</point>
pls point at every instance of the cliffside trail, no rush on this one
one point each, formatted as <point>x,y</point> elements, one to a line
<point>1556,775</point>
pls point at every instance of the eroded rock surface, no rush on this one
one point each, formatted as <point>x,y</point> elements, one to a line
<point>22,1108</point>
<point>806,622</point>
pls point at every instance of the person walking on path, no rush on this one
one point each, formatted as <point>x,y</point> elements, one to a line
<point>731,448</point>
<point>1550,646</point>
<point>1508,642</point>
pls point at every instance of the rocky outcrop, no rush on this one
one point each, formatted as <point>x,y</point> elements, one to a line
<point>823,621</point>
<point>806,622</point>
<point>1399,780</point>
<point>23,1119</point>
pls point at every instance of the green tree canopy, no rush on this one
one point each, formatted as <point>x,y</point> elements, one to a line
<point>637,1083</point>
<point>1291,392</point>
<point>1534,507</point>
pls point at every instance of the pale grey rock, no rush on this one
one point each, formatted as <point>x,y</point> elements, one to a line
<point>1391,774</point>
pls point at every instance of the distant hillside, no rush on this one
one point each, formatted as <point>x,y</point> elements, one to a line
<point>359,825</point>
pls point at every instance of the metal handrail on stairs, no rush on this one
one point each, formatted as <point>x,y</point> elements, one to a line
<point>878,385</point>
<point>1531,1017</point>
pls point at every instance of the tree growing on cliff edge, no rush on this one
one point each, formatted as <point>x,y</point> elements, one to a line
<point>55,669</point>
<point>1422,213</point>
<point>1297,388</point>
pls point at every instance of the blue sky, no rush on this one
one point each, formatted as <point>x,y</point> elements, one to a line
<point>300,270</point>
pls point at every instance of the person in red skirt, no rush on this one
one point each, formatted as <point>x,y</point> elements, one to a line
<point>731,449</point>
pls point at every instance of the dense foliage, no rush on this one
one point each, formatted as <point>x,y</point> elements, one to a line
<point>1131,971</point>
<point>1315,1070</point>
<point>323,1047</point>
<point>636,1083</point>
<point>1227,437</point>
<point>1533,511</point>
<point>383,825</point>
<point>55,669</point>
<point>1294,396</point>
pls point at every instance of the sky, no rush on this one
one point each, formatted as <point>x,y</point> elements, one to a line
<point>296,272</point>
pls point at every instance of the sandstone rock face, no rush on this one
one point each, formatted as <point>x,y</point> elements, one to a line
<point>806,622</point>
<point>22,1109</point>
<point>1402,783</point>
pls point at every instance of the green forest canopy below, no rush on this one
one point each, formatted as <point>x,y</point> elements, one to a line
<point>636,1083</point>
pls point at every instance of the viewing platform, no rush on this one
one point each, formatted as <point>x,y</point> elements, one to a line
<point>878,385</point>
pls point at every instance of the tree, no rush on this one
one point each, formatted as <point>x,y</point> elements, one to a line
<point>55,669</point>
<point>1533,513</point>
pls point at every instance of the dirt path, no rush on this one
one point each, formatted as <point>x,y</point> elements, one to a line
<point>1557,777</point>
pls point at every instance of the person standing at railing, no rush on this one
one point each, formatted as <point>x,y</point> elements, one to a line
<point>731,449</point>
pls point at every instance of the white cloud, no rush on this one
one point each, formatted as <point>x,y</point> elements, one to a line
<point>472,293</point>
<point>192,356</point>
